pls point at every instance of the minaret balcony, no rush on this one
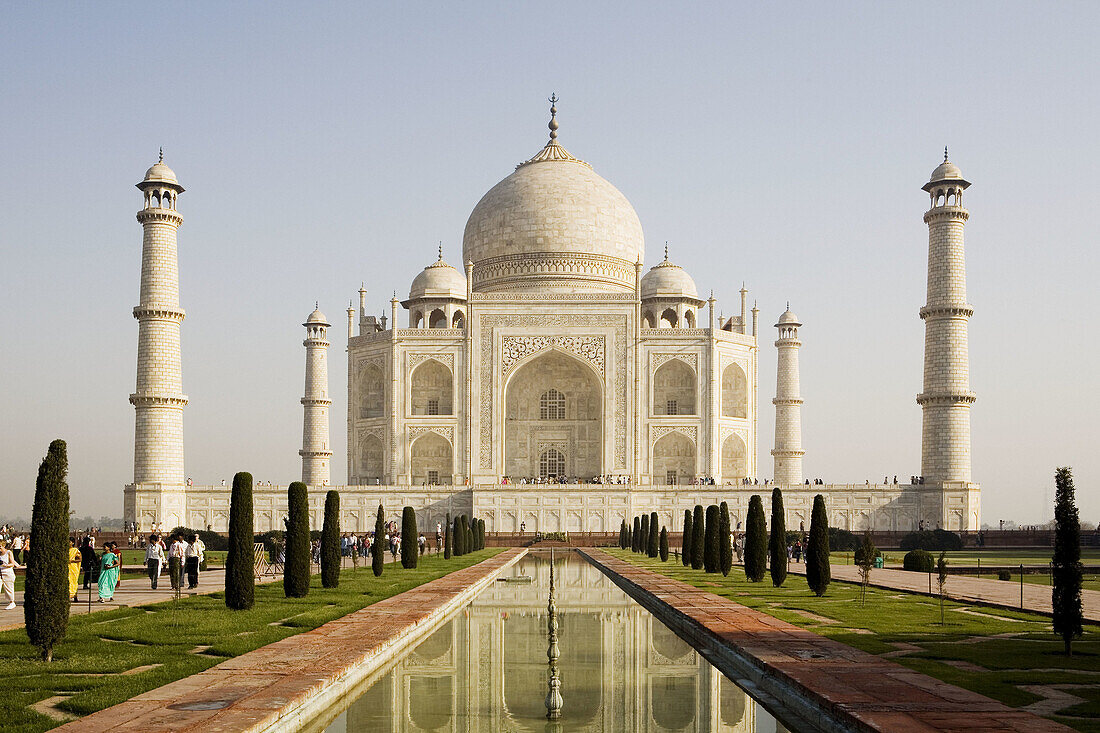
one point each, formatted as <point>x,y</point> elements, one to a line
<point>950,310</point>
<point>946,213</point>
<point>147,399</point>
<point>946,398</point>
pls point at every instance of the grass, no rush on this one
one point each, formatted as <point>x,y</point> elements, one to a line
<point>1031,656</point>
<point>100,646</point>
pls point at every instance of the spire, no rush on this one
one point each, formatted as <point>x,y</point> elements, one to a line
<point>440,250</point>
<point>666,250</point>
<point>161,160</point>
<point>553,125</point>
<point>944,153</point>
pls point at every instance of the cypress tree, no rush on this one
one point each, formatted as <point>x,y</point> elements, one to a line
<point>622,535</point>
<point>725,555</point>
<point>330,541</point>
<point>643,540</point>
<point>629,536</point>
<point>1066,564</point>
<point>818,571</point>
<point>377,548</point>
<point>664,545</point>
<point>698,536</point>
<point>471,539</point>
<point>636,535</point>
<point>654,545</point>
<point>46,595</point>
<point>480,534</point>
<point>712,555</point>
<point>296,568</point>
<point>240,560</point>
<point>685,542</point>
<point>777,544</point>
<point>410,551</point>
<point>459,536</point>
<point>756,541</point>
<point>447,538</point>
<point>466,543</point>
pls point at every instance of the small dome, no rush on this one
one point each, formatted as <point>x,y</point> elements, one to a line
<point>438,280</point>
<point>945,171</point>
<point>667,280</point>
<point>317,317</point>
<point>788,318</point>
<point>160,173</point>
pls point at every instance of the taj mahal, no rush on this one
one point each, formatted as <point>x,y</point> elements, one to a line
<point>551,381</point>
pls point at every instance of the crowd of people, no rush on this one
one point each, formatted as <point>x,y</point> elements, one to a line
<point>354,545</point>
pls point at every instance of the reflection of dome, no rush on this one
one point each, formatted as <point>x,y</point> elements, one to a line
<point>667,280</point>
<point>438,280</point>
<point>553,223</point>
<point>160,173</point>
<point>317,317</point>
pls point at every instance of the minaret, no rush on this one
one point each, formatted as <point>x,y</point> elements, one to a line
<point>788,403</point>
<point>158,398</point>
<point>946,398</point>
<point>315,452</point>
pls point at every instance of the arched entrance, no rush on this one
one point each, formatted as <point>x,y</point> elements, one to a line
<point>553,422</point>
<point>674,459</point>
<point>432,460</point>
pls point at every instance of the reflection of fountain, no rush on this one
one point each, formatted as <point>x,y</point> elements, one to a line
<point>553,695</point>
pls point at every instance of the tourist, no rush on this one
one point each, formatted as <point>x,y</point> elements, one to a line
<point>89,562</point>
<point>74,568</point>
<point>422,543</point>
<point>17,546</point>
<point>176,553</point>
<point>108,573</point>
<point>192,557</point>
<point>154,559</point>
<point>7,574</point>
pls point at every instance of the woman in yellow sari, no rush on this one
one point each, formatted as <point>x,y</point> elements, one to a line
<point>74,568</point>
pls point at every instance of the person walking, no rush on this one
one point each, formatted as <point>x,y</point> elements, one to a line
<point>74,568</point>
<point>192,557</point>
<point>154,560</point>
<point>89,562</point>
<point>7,574</point>
<point>108,573</point>
<point>17,546</point>
<point>176,552</point>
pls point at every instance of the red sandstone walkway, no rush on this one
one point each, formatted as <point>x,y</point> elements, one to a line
<point>789,663</point>
<point>992,592</point>
<point>282,685</point>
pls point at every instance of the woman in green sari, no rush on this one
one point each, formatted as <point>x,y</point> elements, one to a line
<point>108,574</point>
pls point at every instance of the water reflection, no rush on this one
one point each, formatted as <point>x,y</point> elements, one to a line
<point>487,669</point>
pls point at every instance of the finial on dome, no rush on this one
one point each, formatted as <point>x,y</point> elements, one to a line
<point>441,250</point>
<point>161,155</point>
<point>316,305</point>
<point>788,305</point>
<point>666,250</point>
<point>944,153</point>
<point>553,125</point>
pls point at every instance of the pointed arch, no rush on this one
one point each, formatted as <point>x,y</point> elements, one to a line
<point>438,319</point>
<point>371,461</point>
<point>735,391</point>
<point>674,459</point>
<point>372,391</point>
<point>674,388</point>
<point>432,460</point>
<point>431,386</point>
<point>735,465</point>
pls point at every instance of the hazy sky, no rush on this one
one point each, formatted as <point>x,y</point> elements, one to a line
<point>324,145</point>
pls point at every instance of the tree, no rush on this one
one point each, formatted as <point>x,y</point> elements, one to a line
<point>629,536</point>
<point>636,535</point>
<point>725,556</point>
<point>643,539</point>
<point>330,541</point>
<point>1066,567</point>
<point>622,535</point>
<point>409,549</point>
<point>447,538</point>
<point>712,554</point>
<point>756,542</point>
<point>471,539</point>
<point>818,571</point>
<point>941,568</point>
<point>685,543</point>
<point>459,537</point>
<point>240,559</point>
<point>46,591</point>
<point>296,569</point>
<point>865,559</point>
<point>698,535</point>
<point>663,551</point>
<point>777,544</point>
<point>480,533</point>
<point>377,547</point>
<point>653,547</point>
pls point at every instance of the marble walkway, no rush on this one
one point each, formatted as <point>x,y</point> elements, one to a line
<point>819,675</point>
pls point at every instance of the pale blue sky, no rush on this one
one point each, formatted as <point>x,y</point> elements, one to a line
<point>327,144</point>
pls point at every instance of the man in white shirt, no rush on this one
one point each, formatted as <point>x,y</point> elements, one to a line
<point>192,557</point>
<point>176,555</point>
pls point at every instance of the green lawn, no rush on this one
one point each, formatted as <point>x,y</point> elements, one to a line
<point>1033,655</point>
<point>100,646</point>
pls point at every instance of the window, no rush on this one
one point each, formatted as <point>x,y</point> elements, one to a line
<point>670,407</point>
<point>551,463</point>
<point>433,407</point>
<point>433,477</point>
<point>670,478</point>
<point>552,405</point>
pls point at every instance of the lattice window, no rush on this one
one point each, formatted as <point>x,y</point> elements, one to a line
<point>433,477</point>
<point>670,407</point>
<point>552,405</point>
<point>670,478</point>
<point>433,407</point>
<point>551,463</point>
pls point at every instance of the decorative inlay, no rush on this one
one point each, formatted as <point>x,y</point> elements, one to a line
<point>555,265</point>
<point>657,432</point>
<point>691,359</point>
<point>739,432</point>
<point>540,295</point>
<point>515,348</point>
<point>444,358</point>
<point>445,431</point>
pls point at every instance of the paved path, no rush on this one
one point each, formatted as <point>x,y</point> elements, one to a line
<point>283,685</point>
<point>1003,593</point>
<point>809,673</point>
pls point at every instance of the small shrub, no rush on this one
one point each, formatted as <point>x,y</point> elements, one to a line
<point>937,539</point>
<point>841,540</point>
<point>919,561</point>
<point>664,545</point>
<point>1004,575</point>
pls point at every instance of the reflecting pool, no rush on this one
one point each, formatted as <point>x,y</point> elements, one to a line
<point>487,668</point>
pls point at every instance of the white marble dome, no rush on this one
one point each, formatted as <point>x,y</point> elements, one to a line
<point>438,280</point>
<point>317,317</point>
<point>667,280</point>
<point>554,224</point>
<point>788,318</point>
<point>160,173</point>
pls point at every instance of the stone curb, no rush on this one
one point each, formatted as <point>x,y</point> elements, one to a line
<point>823,684</point>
